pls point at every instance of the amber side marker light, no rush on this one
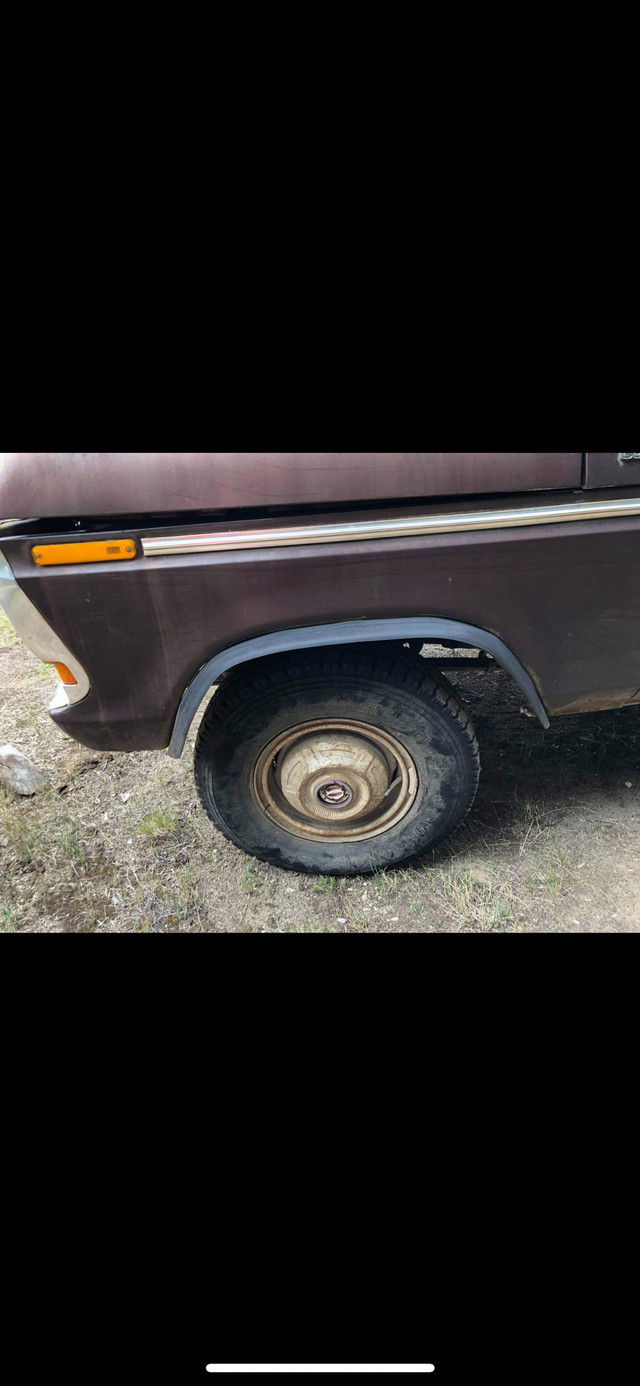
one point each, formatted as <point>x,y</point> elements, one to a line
<point>105,551</point>
<point>65,674</point>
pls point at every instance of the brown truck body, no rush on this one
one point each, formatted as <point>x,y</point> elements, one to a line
<point>563,598</point>
<point>138,483</point>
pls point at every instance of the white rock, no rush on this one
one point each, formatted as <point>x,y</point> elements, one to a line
<point>18,773</point>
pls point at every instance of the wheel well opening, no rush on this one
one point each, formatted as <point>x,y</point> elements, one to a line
<point>441,644</point>
<point>447,656</point>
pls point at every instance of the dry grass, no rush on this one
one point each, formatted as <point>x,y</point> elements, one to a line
<point>119,844</point>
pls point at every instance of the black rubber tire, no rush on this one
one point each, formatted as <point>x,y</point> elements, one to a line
<point>419,709</point>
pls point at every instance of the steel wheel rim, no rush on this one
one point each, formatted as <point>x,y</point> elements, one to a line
<point>335,780</point>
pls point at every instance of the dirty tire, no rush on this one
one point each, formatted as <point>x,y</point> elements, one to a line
<point>257,705</point>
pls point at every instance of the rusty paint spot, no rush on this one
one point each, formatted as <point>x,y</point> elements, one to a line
<point>597,702</point>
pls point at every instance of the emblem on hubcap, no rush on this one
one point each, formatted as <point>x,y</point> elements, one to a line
<point>335,792</point>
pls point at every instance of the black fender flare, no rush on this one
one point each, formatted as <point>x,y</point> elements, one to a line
<point>347,633</point>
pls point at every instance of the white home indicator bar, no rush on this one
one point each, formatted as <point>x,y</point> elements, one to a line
<point>324,1367</point>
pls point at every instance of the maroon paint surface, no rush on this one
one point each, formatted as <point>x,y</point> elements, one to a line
<point>69,484</point>
<point>565,599</point>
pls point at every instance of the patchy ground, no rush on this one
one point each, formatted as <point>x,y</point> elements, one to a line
<point>119,844</point>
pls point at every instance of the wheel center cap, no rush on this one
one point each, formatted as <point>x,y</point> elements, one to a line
<point>335,792</point>
<point>331,774</point>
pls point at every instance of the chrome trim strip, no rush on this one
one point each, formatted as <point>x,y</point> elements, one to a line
<point>38,636</point>
<point>390,529</point>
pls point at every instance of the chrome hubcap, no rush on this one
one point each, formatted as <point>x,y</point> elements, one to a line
<point>335,780</point>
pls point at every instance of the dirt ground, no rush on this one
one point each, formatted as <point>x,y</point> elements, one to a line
<point>119,844</point>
